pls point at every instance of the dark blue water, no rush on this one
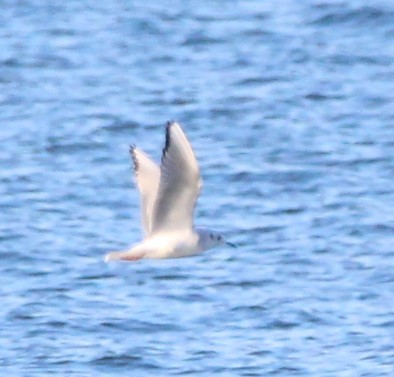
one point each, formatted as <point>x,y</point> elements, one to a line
<point>290,108</point>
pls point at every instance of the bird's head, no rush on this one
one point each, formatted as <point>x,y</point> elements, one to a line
<point>211,239</point>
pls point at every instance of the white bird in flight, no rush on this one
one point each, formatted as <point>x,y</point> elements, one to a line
<point>168,197</point>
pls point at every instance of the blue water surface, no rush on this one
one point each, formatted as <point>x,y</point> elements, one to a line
<point>289,106</point>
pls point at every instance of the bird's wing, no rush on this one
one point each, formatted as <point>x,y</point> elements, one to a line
<point>180,183</point>
<point>147,175</point>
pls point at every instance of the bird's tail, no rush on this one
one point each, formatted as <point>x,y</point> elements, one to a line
<point>128,255</point>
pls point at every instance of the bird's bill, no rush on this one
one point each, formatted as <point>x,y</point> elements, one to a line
<point>231,244</point>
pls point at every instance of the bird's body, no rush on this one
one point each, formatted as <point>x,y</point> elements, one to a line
<point>168,197</point>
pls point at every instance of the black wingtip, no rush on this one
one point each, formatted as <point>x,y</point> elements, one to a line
<point>170,123</point>
<point>168,138</point>
<point>134,157</point>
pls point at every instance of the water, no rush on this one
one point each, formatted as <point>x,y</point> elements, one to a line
<point>289,107</point>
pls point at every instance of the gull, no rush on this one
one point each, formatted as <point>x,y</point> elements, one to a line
<point>168,197</point>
